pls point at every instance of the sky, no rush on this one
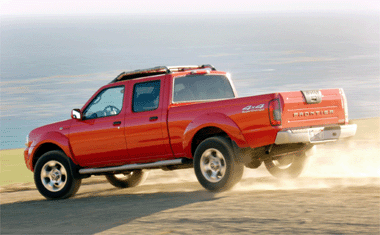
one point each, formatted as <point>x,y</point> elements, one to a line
<point>88,7</point>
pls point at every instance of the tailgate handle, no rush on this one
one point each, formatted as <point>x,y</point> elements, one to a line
<point>312,96</point>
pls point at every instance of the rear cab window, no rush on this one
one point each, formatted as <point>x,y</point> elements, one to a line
<point>201,88</point>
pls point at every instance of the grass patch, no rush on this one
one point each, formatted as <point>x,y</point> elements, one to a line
<point>12,168</point>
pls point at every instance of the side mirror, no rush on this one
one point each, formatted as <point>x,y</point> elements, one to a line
<point>76,114</point>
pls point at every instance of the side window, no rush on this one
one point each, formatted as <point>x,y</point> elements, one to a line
<point>109,102</point>
<point>202,87</point>
<point>146,96</point>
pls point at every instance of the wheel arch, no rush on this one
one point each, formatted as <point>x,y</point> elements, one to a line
<point>49,142</point>
<point>48,147</point>
<point>209,125</point>
<point>42,149</point>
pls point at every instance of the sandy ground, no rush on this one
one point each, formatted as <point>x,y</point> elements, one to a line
<point>338,193</point>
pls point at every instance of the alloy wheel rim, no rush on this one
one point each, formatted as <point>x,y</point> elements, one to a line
<point>213,165</point>
<point>284,162</point>
<point>53,176</point>
<point>124,176</point>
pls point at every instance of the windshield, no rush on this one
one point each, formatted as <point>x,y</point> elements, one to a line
<point>202,87</point>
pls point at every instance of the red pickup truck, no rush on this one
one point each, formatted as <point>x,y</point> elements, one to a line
<point>181,117</point>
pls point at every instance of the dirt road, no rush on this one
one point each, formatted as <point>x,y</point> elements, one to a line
<point>256,205</point>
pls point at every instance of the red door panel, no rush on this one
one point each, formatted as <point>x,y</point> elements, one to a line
<point>145,122</point>
<point>99,142</point>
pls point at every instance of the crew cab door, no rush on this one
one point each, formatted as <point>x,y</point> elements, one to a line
<point>98,139</point>
<point>145,123</point>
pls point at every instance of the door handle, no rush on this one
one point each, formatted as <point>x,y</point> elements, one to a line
<point>155,118</point>
<point>117,123</point>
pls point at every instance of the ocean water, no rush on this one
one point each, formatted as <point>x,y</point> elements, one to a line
<point>52,64</point>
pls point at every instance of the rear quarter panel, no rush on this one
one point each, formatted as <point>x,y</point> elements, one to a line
<point>248,127</point>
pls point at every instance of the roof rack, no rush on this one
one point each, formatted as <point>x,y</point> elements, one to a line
<point>157,71</point>
<point>190,67</point>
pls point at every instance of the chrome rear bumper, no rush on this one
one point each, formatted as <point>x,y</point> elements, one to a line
<point>315,135</point>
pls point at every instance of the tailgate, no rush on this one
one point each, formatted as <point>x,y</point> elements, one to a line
<point>313,108</point>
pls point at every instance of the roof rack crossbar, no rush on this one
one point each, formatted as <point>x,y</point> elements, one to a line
<point>190,67</point>
<point>159,70</point>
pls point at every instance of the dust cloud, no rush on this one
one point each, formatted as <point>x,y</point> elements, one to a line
<point>346,163</point>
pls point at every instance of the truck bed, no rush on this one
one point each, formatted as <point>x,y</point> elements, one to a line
<point>251,115</point>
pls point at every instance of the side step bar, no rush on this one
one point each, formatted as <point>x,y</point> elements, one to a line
<point>134,166</point>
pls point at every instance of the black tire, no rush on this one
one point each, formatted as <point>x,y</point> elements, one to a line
<point>53,176</point>
<point>215,165</point>
<point>287,166</point>
<point>132,179</point>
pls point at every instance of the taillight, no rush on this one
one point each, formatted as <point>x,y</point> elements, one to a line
<point>344,105</point>
<point>275,112</point>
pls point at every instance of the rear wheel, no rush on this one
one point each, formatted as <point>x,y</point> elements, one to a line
<point>53,176</point>
<point>215,165</point>
<point>127,180</point>
<point>287,166</point>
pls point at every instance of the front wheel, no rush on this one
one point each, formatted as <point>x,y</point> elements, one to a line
<point>53,177</point>
<point>215,165</point>
<point>287,166</point>
<point>127,180</point>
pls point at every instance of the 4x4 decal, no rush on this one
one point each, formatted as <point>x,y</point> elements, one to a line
<point>253,108</point>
